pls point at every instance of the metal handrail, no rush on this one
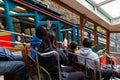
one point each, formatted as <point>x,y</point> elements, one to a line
<point>22,34</point>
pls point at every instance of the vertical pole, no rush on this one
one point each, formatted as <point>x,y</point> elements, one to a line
<point>107,41</point>
<point>8,19</point>
<point>95,34</point>
<point>36,19</point>
<point>73,34</point>
<point>78,37</point>
<point>58,34</point>
<point>81,30</point>
<point>98,44</point>
<point>36,25</point>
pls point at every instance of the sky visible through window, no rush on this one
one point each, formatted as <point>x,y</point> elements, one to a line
<point>112,8</point>
<point>99,1</point>
<point>109,8</point>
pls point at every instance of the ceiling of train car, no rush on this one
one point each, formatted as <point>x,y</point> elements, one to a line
<point>104,12</point>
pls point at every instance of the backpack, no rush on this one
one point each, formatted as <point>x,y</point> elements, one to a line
<point>6,55</point>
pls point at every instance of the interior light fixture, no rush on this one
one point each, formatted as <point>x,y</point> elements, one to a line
<point>21,8</point>
<point>1,8</point>
<point>31,18</point>
<point>13,12</point>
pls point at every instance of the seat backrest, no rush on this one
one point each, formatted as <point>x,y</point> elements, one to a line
<point>81,67</point>
<point>72,57</point>
<point>90,63</point>
<point>51,62</point>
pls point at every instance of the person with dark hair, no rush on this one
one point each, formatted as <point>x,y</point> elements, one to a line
<point>87,52</point>
<point>40,40</point>
<point>72,46</point>
<point>87,43</point>
<point>42,43</point>
<point>68,73</point>
<point>91,59</point>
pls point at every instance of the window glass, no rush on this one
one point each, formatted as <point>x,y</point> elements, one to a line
<point>3,24</point>
<point>115,42</point>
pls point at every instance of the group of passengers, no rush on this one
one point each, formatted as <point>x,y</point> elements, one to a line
<point>45,41</point>
<point>49,44</point>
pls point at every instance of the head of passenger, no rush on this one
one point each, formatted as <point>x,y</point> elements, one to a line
<point>73,45</point>
<point>52,37</point>
<point>42,34</point>
<point>87,43</point>
<point>18,38</point>
<point>48,26</point>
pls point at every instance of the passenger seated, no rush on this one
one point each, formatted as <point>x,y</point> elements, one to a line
<point>92,59</point>
<point>72,73</point>
<point>72,50</point>
<point>73,47</point>
<point>48,45</point>
<point>19,42</point>
<point>9,64</point>
<point>111,66</point>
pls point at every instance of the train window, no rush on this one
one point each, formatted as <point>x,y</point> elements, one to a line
<point>23,25</point>
<point>86,35</point>
<point>89,28</point>
<point>2,19</point>
<point>89,25</point>
<point>101,43</point>
<point>101,38</point>
<point>115,42</point>
<point>101,31</point>
<point>77,33</point>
